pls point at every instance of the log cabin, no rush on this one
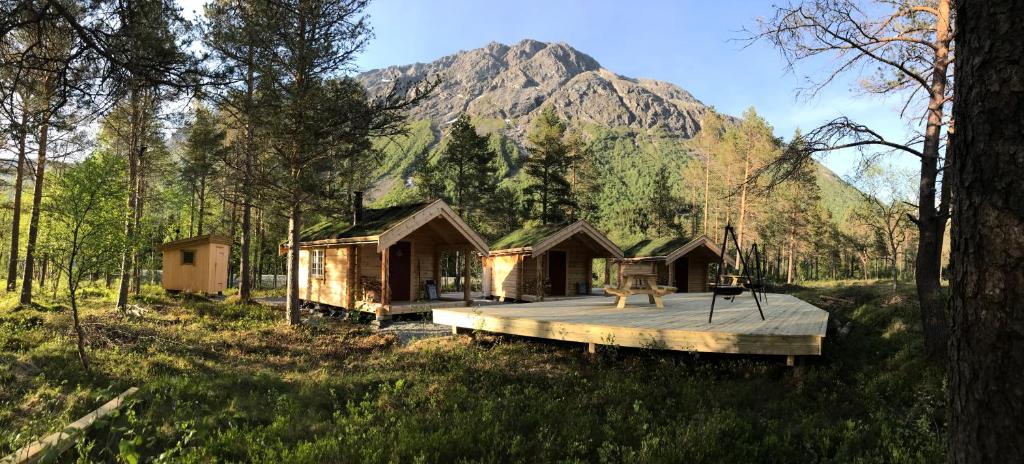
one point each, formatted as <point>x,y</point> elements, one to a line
<point>382,260</point>
<point>196,264</point>
<point>549,260</point>
<point>679,262</point>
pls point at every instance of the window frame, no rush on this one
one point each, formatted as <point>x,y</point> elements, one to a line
<point>313,270</point>
<point>188,262</point>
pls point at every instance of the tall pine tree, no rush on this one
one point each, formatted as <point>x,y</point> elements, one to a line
<point>548,167</point>
<point>465,171</point>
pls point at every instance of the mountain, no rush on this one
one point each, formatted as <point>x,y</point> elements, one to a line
<point>510,83</point>
<point>638,126</point>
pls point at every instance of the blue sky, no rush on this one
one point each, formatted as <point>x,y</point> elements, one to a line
<point>690,43</point>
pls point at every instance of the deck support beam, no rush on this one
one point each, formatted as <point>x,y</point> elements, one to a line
<point>791,360</point>
<point>592,348</point>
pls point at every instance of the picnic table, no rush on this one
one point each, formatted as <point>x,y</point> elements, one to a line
<point>648,286</point>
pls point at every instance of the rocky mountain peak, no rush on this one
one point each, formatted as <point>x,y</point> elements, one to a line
<point>512,82</point>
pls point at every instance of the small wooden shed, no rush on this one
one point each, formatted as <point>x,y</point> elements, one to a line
<point>384,257</point>
<point>548,260</point>
<point>678,261</point>
<point>197,264</point>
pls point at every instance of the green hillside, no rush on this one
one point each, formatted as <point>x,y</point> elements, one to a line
<point>635,168</point>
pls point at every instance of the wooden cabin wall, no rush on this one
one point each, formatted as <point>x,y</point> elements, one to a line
<point>578,261</point>
<point>505,272</point>
<point>208,274</point>
<point>697,280</point>
<point>424,253</point>
<point>529,273</point>
<point>332,288</point>
<point>662,270</point>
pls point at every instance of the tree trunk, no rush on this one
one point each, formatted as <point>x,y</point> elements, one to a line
<point>245,285</point>
<point>743,205</point>
<point>43,270</point>
<point>19,178</point>
<point>140,208</point>
<point>986,346</point>
<point>294,227</point>
<point>129,231</point>
<point>33,224</point>
<point>932,219</point>
<point>202,205</point>
<point>79,334</point>
<point>789,264</point>
<point>707,188</point>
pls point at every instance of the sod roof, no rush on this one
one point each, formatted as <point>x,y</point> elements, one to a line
<point>660,246</point>
<point>375,222</point>
<point>527,236</point>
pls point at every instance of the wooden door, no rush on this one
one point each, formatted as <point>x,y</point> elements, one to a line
<point>681,272</point>
<point>556,272</point>
<point>400,271</point>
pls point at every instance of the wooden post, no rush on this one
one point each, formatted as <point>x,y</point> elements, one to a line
<point>608,271</point>
<point>540,276</point>
<point>592,348</point>
<point>791,360</point>
<point>351,280</point>
<point>521,281</point>
<point>671,273</point>
<point>590,274</point>
<point>437,269</point>
<point>621,269</point>
<point>466,266</point>
<point>385,285</point>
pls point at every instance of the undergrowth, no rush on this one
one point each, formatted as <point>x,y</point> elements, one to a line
<point>222,381</point>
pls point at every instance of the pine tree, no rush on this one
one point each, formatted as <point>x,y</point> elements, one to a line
<point>204,147</point>
<point>547,166</point>
<point>466,168</point>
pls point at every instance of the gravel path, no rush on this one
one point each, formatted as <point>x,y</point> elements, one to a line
<point>408,331</point>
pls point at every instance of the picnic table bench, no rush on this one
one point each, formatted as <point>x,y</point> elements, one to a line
<point>648,286</point>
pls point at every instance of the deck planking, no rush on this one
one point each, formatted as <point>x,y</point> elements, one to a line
<point>793,326</point>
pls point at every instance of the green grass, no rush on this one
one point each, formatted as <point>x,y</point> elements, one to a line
<point>230,383</point>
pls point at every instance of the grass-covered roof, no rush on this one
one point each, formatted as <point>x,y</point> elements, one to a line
<point>527,236</point>
<point>659,246</point>
<point>375,222</point>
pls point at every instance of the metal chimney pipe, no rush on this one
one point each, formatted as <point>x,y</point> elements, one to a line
<point>357,207</point>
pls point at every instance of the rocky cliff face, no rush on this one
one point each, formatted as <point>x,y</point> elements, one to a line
<point>511,83</point>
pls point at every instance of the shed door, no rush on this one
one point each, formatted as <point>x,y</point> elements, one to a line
<point>681,274</point>
<point>400,270</point>
<point>219,275</point>
<point>556,272</point>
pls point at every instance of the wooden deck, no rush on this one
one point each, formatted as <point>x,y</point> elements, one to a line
<point>793,326</point>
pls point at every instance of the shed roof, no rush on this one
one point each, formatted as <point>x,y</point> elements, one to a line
<point>375,222</point>
<point>197,240</point>
<point>672,248</point>
<point>538,239</point>
<point>389,225</point>
<point>526,236</point>
<point>653,247</point>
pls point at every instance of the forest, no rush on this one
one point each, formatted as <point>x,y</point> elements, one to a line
<point>128,124</point>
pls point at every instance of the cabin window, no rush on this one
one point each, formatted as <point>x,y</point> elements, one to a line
<point>316,264</point>
<point>188,257</point>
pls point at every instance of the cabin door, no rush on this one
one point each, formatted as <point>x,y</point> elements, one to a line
<point>681,272</point>
<point>400,271</point>
<point>556,272</point>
